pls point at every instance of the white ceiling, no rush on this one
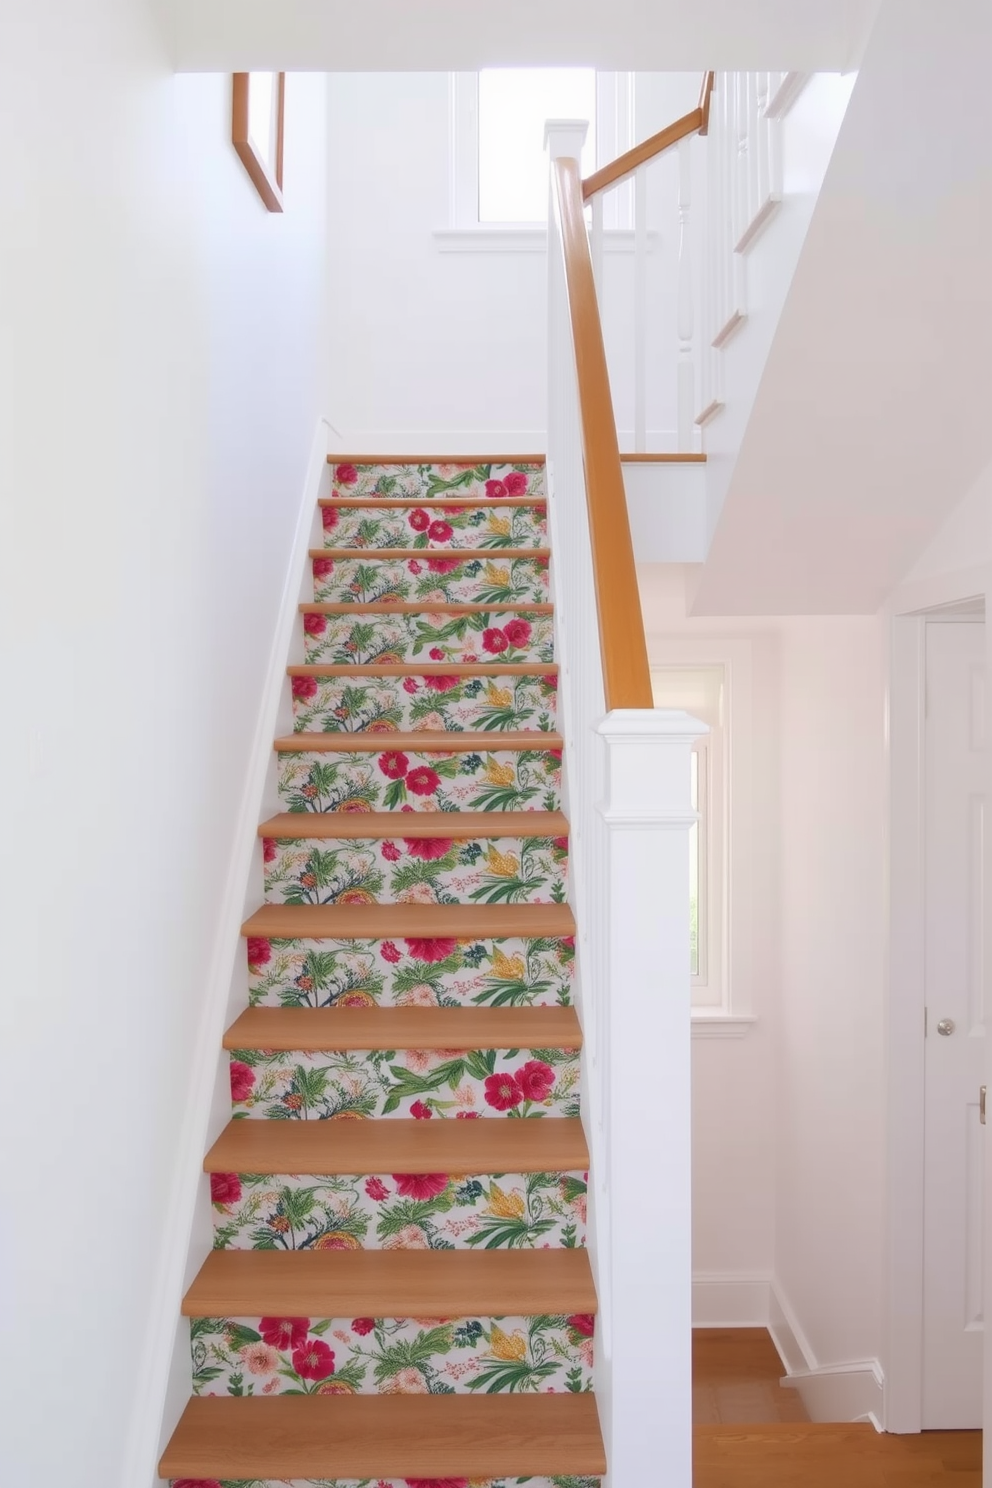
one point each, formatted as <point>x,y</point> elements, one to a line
<point>440,35</point>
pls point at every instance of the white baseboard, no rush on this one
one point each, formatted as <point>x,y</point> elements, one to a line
<point>729,1299</point>
<point>850,1391</point>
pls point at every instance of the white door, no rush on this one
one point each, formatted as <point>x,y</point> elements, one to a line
<point>955,770</point>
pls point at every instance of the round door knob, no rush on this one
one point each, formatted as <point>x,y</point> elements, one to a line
<point>945,1027</point>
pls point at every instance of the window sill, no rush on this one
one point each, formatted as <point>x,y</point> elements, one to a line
<point>707,1025</point>
<point>517,239</point>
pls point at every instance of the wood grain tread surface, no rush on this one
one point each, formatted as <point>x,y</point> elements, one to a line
<point>391,1283</point>
<point>459,825</point>
<point>425,555</point>
<point>427,607</point>
<point>815,1455</point>
<point>542,1144</point>
<point>382,921</point>
<point>342,1028</point>
<point>417,740</point>
<point>428,669</point>
<point>386,1436</point>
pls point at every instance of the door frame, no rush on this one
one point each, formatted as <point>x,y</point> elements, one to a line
<point>909,610</point>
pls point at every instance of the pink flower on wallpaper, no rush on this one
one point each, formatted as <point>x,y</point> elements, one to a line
<point>269,850</point>
<point>516,483</point>
<point>517,632</point>
<point>362,1326</point>
<point>225,1188</point>
<point>415,567</point>
<point>197,1483</point>
<point>502,1092</point>
<point>420,1185</point>
<point>567,942</point>
<point>419,520</point>
<point>314,624</point>
<point>496,488</point>
<point>376,1189</point>
<point>441,684</point>
<point>436,653</point>
<point>535,1079</point>
<point>284,1333</point>
<point>394,763</point>
<point>304,688</point>
<point>242,1080</point>
<point>420,1112</point>
<point>260,1358</point>
<point>434,948</point>
<point>323,567</point>
<point>560,844</point>
<point>494,640</point>
<point>313,1360</point>
<point>346,475</point>
<point>436,1482</point>
<point>423,781</point>
<point>583,1323</point>
<point>440,531</point>
<point>391,852</point>
<point>550,682</point>
<point>259,951</point>
<point>410,684</point>
<point>389,953</point>
<point>329,518</point>
<point>443,565</point>
<point>429,849</point>
<point>466,1115</point>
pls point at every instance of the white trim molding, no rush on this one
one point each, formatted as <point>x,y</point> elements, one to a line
<point>853,1390</point>
<point>730,1299</point>
<point>711,1025</point>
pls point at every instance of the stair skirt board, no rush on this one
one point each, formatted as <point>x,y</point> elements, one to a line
<point>429,619</point>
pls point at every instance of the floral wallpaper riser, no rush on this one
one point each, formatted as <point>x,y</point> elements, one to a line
<point>486,636</point>
<point>448,529</point>
<point>391,780</point>
<point>432,579</point>
<point>432,703</point>
<point>428,482</point>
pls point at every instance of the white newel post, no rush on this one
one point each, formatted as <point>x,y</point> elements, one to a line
<point>685,319</point>
<point>647,814</point>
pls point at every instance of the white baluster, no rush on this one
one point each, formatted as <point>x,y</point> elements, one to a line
<point>686,371</point>
<point>764,132</point>
<point>640,308</point>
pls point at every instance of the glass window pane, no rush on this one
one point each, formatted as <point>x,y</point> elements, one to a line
<point>514,104</point>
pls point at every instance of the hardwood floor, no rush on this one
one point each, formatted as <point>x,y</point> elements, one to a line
<point>749,1432</point>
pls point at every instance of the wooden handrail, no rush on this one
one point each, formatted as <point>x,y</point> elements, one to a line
<point>626,164</point>
<point>626,675</point>
<point>705,94</point>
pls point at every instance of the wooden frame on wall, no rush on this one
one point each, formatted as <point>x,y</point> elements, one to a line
<point>263,163</point>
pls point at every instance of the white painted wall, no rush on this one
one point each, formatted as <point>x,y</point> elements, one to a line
<point>964,539</point>
<point>162,356</point>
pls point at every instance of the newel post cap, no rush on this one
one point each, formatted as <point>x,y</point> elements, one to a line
<point>565,137</point>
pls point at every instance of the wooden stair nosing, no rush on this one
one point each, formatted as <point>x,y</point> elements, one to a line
<point>391,1283</point>
<point>341,1029</point>
<point>420,742</point>
<point>463,555</point>
<point>537,1144</point>
<point>386,1436</point>
<point>428,669</point>
<point>429,503</point>
<point>467,462</point>
<point>460,826</point>
<point>410,921</point>
<point>426,607</point>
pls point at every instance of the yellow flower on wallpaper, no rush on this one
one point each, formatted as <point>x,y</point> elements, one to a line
<point>509,968</point>
<point>496,575</point>
<point>503,865</point>
<point>507,1345</point>
<point>503,1205</point>
<point>498,774</point>
<point>498,697</point>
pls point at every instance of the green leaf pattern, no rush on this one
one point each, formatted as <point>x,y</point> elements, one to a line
<point>341,640</point>
<point>428,482</point>
<point>419,702</point>
<point>432,579</point>
<point>493,780</point>
<point>494,525</point>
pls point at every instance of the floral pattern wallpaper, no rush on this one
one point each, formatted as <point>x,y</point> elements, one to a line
<point>432,702</point>
<point>433,579</point>
<point>485,635</point>
<point>390,779</point>
<point>426,482</point>
<point>398,1211</point>
<point>449,527</point>
<point>418,1083</point>
<point>391,1356</point>
<point>416,870</point>
<point>434,971</point>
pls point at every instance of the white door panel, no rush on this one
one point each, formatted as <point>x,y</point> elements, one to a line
<point>954,1061</point>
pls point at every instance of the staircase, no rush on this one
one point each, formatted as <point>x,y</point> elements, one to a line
<point>399,1291</point>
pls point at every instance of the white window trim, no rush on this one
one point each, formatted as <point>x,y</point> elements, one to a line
<point>730,1016</point>
<point>464,232</point>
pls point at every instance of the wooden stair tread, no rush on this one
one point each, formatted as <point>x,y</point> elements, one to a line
<point>426,607</point>
<point>463,555</point>
<point>431,503</point>
<point>405,1028</point>
<point>429,669</point>
<point>417,742</point>
<point>458,825</point>
<point>386,1436</point>
<point>460,462</point>
<point>542,1144</point>
<point>409,921</point>
<point>391,1283</point>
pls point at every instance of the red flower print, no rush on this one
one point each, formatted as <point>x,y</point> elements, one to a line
<point>494,640</point>
<point>555,755</point>
<point>304,688</point>
<point>560,844</point>
<point>420,1112</point>
<point>442,565</point>
<point>466,1115</point>
<point>495,488</point>
<point>516,483</point>
<point>410,684</point>
<point>376,1189</point>
<point>394,764</point>
<point>284,1333</point>
<point>313,1359</point>
<point>391,853</point>
<point>323,567</point>
<point>582,1322</point>
<point>259,951</point>
<point>568,942</point>
<point>420,1185</point>
<point>423,781</point>
<point>440,531</point>
<point>436,1482</point>
<point>415,567</point>
<point>242,1080</point>
<point>329,518</point>
<point>269,850</point>
<point>389,953</point>
<point>225,1188</point>
<point>503,1092</point>
<point>517,632</point>
<point>419,520</point>
<point>437,654</point>
<point>195,1483</point>
<point>535,1079</point>
<point>550,681</point>
<point>362,1326</point>
<point>437,948</point>
<point>441,684</point>
<point>429,849</point>
<point>346,475</point>
<point>314,624</point>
